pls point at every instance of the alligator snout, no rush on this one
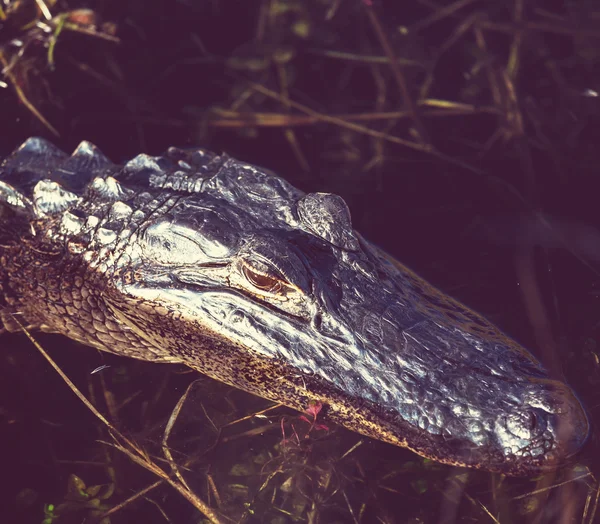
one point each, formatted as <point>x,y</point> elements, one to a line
<point>451,386</point>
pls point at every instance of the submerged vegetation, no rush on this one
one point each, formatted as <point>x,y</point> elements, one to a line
<point>463,136</point>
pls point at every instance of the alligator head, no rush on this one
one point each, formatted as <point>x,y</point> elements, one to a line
<point>225,267</point>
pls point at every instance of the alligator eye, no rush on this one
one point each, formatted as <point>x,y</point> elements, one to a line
<point>263,282</point>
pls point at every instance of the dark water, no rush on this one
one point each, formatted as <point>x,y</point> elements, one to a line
<point>458,225</point>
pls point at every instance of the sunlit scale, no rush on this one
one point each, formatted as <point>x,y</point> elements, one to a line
<point>200,259</point>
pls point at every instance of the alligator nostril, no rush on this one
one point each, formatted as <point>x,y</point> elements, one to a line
<point>526,425</point>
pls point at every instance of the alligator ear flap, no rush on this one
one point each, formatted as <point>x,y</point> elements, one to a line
<point>328,217</point>
<point>14,203</point>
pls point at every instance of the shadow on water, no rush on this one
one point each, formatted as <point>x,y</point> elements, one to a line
<point>452,129</point>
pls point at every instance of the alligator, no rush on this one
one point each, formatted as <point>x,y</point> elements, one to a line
<point>203,260</point>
